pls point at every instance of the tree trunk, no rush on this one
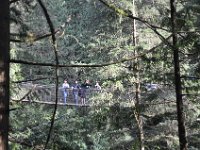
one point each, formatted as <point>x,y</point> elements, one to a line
<point>137,87</point>
<point>4,73</point>
<point>179,100</point>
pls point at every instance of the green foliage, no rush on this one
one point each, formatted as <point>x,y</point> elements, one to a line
<point>90,33</point>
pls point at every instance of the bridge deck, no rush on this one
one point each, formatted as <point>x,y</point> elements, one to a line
<point>46,94</point>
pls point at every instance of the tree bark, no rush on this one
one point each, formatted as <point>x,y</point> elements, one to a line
<point>179,100</point>
<point>4,73</point>
<point>137,86</point>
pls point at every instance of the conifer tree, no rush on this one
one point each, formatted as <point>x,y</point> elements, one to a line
<point>179,100</point>
<point>4,74</point>
<point>137,110</point>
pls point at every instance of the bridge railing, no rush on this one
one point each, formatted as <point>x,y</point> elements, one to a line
<point>46,93</point>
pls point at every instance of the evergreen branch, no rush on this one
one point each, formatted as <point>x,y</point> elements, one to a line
<point>14,1</point>
<point>190,77</point>
<point>129,15</point>
<point>15,40</point>
<point>25,94</point>
<point>13,109</point>
<point>160,103</point>
<point>195,31</point>
<point>37,79</point>
<point>14,140</point>
<point>76,39</point>
<point>32,38</point>
<point>56,67</point>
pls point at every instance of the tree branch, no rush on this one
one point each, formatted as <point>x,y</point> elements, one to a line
<point>190,77</point>
<point>56,67</point>
<point>13,1</point>
<point>37,79</point>
<point>25,94</point>
<point>33,38</point>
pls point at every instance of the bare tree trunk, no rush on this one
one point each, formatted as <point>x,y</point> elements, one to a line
<point>4,73</point>
<point>137,87</point>
<point>179,100</point>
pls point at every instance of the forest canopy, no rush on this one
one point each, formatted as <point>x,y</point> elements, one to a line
<point>131,71</point>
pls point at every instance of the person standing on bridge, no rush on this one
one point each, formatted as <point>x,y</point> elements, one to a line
<point>97,87</point>
<point>65,87</point>
<point>84,89</point>
<point>75,90</point>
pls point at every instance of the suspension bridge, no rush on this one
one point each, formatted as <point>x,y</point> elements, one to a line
<point>45,94</point>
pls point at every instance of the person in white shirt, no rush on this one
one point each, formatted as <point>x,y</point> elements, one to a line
<point>98,87</point>
<point>65,88</point>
